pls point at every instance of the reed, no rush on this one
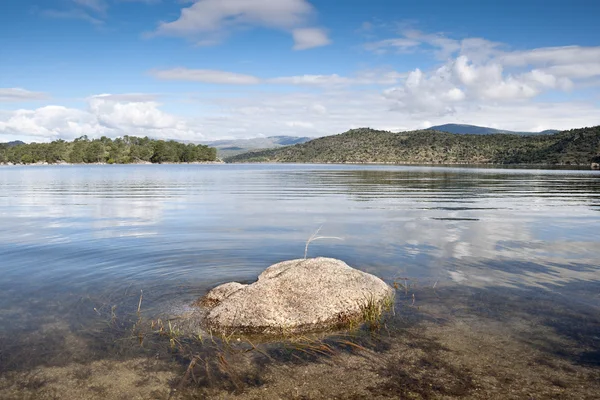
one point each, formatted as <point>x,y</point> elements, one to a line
<point>315,236</point>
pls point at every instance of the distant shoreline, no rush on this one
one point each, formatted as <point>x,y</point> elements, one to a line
<point>417,164</point>
<point>65,164</point>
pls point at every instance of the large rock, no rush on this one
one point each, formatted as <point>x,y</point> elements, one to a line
<point>294,296</point>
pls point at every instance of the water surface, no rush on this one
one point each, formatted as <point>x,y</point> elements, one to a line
<point>76,241</point>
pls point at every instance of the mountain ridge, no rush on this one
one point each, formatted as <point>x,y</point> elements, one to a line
<point>12,144</point>
<point>483,130</point>
<point>232,147</point>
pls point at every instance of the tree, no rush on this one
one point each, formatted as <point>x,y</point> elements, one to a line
<point>163,152</point>
<point>95,152</point>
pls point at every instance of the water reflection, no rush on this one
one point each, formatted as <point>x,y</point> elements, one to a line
<point>415,218</point>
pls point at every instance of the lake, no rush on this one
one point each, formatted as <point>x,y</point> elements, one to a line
<point>497,270</point>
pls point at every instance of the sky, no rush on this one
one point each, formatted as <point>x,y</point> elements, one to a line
<point>199,70</point>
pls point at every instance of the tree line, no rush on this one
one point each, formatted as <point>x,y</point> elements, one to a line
<point>125,150</point>
<point>364,145</point>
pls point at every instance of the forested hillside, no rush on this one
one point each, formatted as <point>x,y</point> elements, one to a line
<point>575,147</point>
<point>104,150</point>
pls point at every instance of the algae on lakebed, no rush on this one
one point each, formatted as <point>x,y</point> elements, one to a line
<point>453,342</point>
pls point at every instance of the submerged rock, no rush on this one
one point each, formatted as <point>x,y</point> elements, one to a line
<point>295,296</point>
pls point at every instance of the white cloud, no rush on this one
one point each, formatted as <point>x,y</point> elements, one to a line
<point>51,122</point>
<point>575,71</point>
<point>18,94</point>
<point>128,97</point>
<point>209,21</point>
<point>318,108</point>
<point>121,115</point>
<point>308,38</point>
<point>109,115</point>
<point>457,81</point>
<point>565,55</point>
<point>205,76</point>
<point>506,74</point>
<point>442,46</point>
<point>488,82</point>
<point>400,44</point>
<point>379,77</point>
<point>420,93</point>
<point>312,80</point>
<point>300,124</point>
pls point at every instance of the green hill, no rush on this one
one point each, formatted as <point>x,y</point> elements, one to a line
<point>574,147</point>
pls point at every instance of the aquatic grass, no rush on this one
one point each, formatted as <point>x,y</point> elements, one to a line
<point>372,310</point>
<point>169,330</point>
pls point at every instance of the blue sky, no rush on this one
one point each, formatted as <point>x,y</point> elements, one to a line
<point>212,69</point>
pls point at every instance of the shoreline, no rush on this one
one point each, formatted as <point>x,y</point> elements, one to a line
<point>66,164</point>
<point>416,164</point>
<point>584,167</point>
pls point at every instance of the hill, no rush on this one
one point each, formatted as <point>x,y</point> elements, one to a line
<point>576,147</point>
<point>229,148</point>
<point>12,144</point>
<point>482,130</point>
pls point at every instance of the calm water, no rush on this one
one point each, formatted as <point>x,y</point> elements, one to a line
<point>75,240</point>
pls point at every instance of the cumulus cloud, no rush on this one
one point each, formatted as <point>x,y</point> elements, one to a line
<point>500,72</point>
<point>109,115</point>
<point>434,94</point>
<point>18,94</point>
<point>51,122</point>
<point>210,21</point>
<point>114,113</point>
<point>460,81</point>
<point>476,69</point>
